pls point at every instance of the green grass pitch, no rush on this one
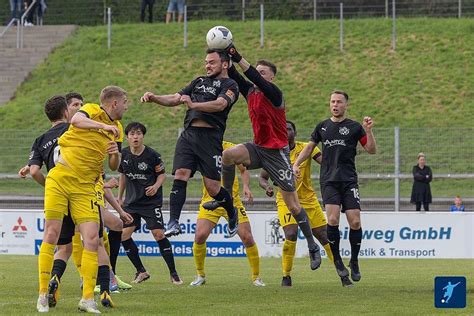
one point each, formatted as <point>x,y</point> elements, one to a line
<point>388,287</point>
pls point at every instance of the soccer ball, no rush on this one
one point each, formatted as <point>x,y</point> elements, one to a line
<point>219,37</point>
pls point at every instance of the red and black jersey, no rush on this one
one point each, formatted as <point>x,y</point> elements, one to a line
<point>339,146</point>
<point>266,108</point>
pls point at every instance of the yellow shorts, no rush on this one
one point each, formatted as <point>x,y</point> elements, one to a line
<point>99,189</point>
<point>215,215</point>
<point>63,192</point>
<point>314,211</point>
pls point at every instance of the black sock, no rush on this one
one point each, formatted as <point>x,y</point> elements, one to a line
<point>114,242</point>
<point>226,201</point>
<point>103,278</point>
<point>426,207</point>
<point>59,266</point>
<point>167,253</point>
<point>355,238</point>
<point>334,237</point>
<point>228,177</point>
<point>132,252</point>
<point>418,206</point>
<point>177,198</point>
<point>303,223</point>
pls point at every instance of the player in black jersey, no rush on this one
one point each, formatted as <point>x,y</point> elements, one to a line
<point>209,100</point>
<point>142,173</point>
<point>339,187</point>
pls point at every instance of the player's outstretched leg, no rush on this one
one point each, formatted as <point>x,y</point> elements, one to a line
<point>314,252</point>
<point>177,199</point>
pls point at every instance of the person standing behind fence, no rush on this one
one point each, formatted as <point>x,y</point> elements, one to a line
<point>150,4</point>
<point>421,191</point>
<point>173,6</point>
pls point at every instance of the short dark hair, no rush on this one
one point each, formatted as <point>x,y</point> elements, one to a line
<point>73,95</point>
<point>270,65</point>
<point>292,124</point>
<point>222,54</point>
<point>341,92</point>
<point>135,126</point>
<point>55,107</point>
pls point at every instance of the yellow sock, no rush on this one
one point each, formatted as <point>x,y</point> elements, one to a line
<point>254,260</point>
<point>327,247</point>
<point>45,264</point>
<point>77,249</point>
<point>199,254</point>
<point>106,243</point>
<point>289,249</point>
<point>89,269</point>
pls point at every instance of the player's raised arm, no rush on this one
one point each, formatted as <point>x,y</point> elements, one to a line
<point>164,100</point>
<point>305,153</point>
<point>370,145</point>
<point>261,77</point>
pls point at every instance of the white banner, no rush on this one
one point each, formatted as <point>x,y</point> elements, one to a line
<point>385,235</point>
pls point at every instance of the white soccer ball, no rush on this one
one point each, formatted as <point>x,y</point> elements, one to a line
<point>219,37</point>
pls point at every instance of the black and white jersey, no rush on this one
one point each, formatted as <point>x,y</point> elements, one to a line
<point>45,149</point>
<point>140,172</point>
<point>339,146</point>
<point>205,89</point>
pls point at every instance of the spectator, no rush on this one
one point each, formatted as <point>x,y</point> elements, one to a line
<point>175,5</point>
<point>421,191</point>
<point>457,206</point>
<point>16,8</point>
<point>150,4</point>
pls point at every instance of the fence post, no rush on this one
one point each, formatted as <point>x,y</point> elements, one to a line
<point>397,168</point>
<point>394,30</point>
<point>459,8</point>
<point>243,10</point>
<point>386,9</point>
<point>185,35</point>
<point>109,26</point>
<point>262,37</point>
<point>314,10</point>
<point>341,26</point>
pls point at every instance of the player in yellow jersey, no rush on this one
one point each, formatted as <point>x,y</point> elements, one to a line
<point>208,219</point>
<point>70,186</point>
<point>308,200</point>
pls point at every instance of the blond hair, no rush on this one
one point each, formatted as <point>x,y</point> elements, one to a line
<point>421,155</point>
<point>111,92</point>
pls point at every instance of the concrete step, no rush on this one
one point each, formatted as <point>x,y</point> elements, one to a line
<point>17,64</point>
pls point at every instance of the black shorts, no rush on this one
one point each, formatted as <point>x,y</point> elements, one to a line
<point>276,162</point>
<point>68,229</point>
<point>341,193</point>
<point>199,148</point>
<point>153,219</point>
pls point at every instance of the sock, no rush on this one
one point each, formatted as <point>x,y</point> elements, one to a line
<point>89,268</point>
<point>225,198</point>
<point>77,249</point>
<point>45,264</point>
<point>59,266</point>
<point>334,237</point>
<point>177,198</point>
<point>132,252</point>
<point>228,177</point>
<point>167,253</point>
<point>105,237</point>
<point>114,241</point>
<point>289,249</point>
<point>355,238</point>
<point>103,278</point>
<point>327,247</point>
<point>199,254</point>
<point>254,260</point>
<point>303,223</point>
